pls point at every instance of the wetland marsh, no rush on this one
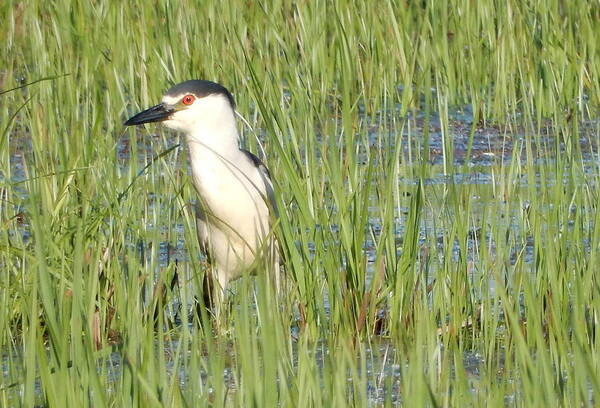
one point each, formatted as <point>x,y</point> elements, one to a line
<point>436,169</point>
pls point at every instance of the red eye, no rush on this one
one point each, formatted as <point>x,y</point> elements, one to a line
<point>188,99</point>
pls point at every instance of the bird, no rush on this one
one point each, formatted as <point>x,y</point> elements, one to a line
<point>236,208</point>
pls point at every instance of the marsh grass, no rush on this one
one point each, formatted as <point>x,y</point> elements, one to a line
<point>402,267</point>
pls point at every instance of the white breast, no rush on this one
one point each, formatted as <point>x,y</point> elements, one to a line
<point>236,218</point>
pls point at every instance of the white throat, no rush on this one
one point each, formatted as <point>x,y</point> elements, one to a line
<point>209,125</point>
<point>214,153</point>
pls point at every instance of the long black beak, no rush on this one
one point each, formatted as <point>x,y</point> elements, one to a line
<point>156,113</point>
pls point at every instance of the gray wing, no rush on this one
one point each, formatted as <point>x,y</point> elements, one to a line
<point>202,229</point>
<point>266,177</point>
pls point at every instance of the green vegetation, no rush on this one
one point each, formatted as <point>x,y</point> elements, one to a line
<point>437,173</point>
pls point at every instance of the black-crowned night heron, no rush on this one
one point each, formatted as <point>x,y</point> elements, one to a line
<point>235,215</point>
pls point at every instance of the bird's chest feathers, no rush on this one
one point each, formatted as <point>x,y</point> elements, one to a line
<point>225,187</point>
<point>214,168</point>
<point>215,181</point>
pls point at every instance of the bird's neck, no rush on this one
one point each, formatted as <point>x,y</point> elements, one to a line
<point>214,155</point>
<point>215,137</point>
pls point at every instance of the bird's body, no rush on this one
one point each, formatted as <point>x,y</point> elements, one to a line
<point>234,238</point>
<point>236,206</point>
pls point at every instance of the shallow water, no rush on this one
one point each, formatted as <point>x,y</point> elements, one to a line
<point>491,147</point>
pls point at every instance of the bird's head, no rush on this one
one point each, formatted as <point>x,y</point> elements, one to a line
<point>189,106</point>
